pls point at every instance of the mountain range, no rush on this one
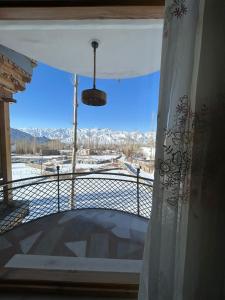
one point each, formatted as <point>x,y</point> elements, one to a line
<point>101,136</point>
<point>18,135</point>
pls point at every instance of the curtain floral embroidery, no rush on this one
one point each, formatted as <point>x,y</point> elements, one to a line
<point>175,165</point>
<point>177,9</point>
<point>177,122</point>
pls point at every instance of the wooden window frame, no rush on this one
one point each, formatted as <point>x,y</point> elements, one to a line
<point>80,10</point>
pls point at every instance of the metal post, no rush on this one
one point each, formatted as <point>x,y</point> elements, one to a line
<point>41,162</point>
<point>75,107</point>
<point>58,188</point>
<point>138,196</point>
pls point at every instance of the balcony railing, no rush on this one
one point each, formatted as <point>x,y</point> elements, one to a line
<point>36,197</point>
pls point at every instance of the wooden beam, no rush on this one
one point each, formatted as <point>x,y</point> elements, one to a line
<point>82,12</point>
<point>61,3</point>
<point>6,168</point>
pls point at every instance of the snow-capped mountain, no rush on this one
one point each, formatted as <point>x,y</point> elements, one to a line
<point>62,134</point>
<point>18,135</point>
<point>100,136</point>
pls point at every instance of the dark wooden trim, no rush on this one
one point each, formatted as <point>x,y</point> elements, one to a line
<point>82,13</point>
<point>84,3</point>
<point>100,284</point>
<point>7,99</point>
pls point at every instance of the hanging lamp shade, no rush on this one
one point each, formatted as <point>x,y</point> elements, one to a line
<point>94,97</point>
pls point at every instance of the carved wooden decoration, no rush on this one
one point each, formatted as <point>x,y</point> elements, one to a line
<point>12,78</point>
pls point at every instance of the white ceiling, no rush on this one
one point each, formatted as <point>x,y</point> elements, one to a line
<point>127,48</point>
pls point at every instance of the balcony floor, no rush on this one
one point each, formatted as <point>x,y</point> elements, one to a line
<point>87,245</point>
<point>94,233</point>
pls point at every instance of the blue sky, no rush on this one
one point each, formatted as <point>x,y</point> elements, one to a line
<point>47,102</point>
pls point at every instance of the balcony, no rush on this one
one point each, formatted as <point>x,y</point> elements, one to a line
<point>84,232</point>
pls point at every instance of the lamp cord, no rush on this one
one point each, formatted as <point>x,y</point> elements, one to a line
<point>94,80</point>
<point>94,45</point>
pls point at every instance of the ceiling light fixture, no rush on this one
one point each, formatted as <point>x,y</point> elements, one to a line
<point>94,97</point>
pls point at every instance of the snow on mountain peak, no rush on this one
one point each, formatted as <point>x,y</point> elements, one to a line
<point>99,135</point>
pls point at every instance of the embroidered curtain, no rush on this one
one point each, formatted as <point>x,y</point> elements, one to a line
<point>177,120</point>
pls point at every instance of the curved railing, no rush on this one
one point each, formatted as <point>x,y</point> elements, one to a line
<point>35,197</point>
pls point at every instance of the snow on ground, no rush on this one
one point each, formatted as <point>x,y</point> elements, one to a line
<point>88,163</point>
<point>21,170</point>
<point>133,169</point>
<point>111,174</point>
<point>147,175</point>
<point>44,157</point>
<point>91,191</point>
<point>49,157</point>
<point>104,157</point>
<point>67,168</point>
<point>121,171</point>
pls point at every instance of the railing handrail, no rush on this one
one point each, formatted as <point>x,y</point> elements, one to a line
<point>80,174</point>
<point>36,197</point>
<point>69,179</point>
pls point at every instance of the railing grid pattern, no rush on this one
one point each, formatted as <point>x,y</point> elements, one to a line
<point>36,197</point>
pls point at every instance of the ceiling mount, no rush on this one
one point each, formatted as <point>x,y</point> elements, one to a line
<point>94,43</point>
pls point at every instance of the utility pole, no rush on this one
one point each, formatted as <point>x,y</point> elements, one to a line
<point>74,153</point>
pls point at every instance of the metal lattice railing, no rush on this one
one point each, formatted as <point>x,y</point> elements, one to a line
<point>35,197</point>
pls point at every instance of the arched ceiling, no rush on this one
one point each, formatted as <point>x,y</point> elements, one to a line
<point>128,48</point>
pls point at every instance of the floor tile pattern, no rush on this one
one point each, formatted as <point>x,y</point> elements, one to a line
<point>81,233</point>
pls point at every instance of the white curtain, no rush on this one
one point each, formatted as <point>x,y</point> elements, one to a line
<point>177,119</point>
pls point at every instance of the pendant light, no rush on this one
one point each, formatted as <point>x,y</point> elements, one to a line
<point>94,97</point>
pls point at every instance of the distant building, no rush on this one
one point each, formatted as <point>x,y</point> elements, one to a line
<point>50,152</point>
<point>86,152</point>
<point>146,165</point>
<point>67,152</point>
<point>148,152</point>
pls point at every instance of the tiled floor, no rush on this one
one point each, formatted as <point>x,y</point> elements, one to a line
<point>92,235</point>
<point>81,233</point>
<point>58,247</point>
